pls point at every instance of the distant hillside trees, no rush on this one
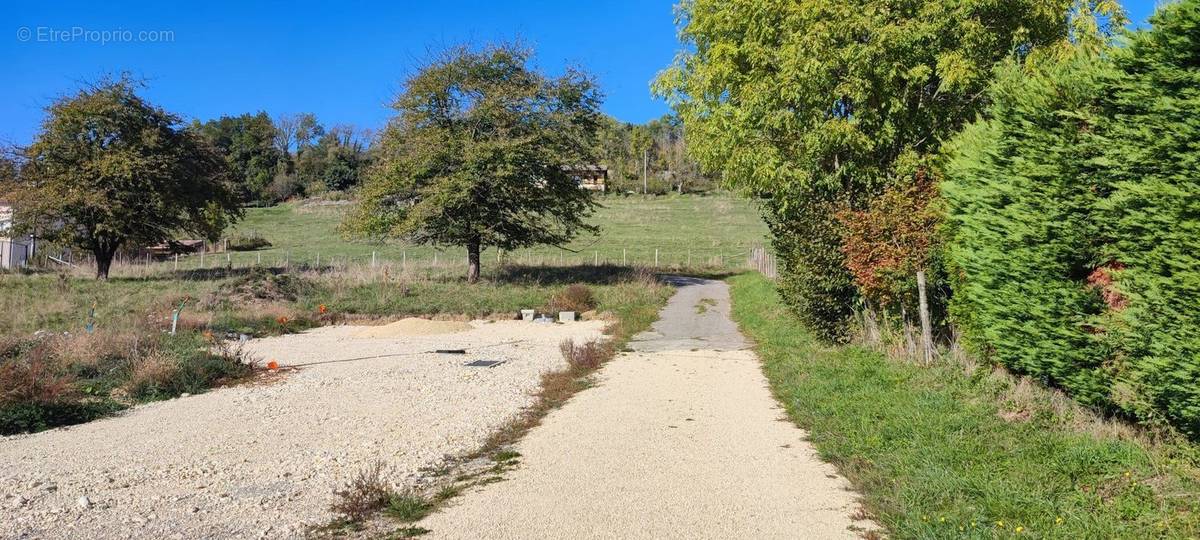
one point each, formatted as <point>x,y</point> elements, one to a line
<point>657,149</point>
<point>109,170</point>
<point>477,156</point>
<point>247,143</point>
<point>335,162</point>
<point>292,156</point>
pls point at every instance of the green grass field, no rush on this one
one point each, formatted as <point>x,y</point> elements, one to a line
<point>952,452</point>
<point>688,231</point>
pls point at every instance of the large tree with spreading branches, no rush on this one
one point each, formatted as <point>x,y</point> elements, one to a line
<point>108,170</point>
<point>479,154</point>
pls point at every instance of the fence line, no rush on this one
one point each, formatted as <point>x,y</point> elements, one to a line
<point>756,258</point>
<point>764,262</point>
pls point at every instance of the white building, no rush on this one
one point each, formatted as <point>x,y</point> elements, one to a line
<point>15,252</point>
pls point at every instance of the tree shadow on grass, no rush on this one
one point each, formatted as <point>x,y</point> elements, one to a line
<point>205,274</point>
<point>604,274</point>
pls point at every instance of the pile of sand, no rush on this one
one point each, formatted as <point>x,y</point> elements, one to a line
<point>414,326</point>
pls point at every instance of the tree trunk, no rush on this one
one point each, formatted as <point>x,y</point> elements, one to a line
<point>645,171</point>
<point>871,326</point>
<point>473,249</point>
<point>926,324</point>
<point>104,254</point>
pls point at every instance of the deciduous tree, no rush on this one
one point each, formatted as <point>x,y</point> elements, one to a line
<point>819,105</point>
<point>110,170</point>
<point>248,144</point>
<point>477,155</point>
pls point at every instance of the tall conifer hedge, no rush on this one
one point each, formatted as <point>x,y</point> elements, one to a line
<point>1074,222</point>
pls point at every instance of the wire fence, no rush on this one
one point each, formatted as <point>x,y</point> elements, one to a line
<point>756,258</point>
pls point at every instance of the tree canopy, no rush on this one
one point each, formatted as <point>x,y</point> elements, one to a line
<point>110,170</point>
<point>818,106</point>
<point>248,144</point>
<point>479,155</point>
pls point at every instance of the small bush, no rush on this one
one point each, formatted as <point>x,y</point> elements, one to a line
<point>577,298</point>
<point>184,364</point>
<point>262,285</point>
<point>35,393</point>
<point>31,379</point>
<point>30,417</point>
<point>151,376</point>
<point>366,494</point>
<point>586,356</point>
<point>247,242</point>
<point>66,379</point>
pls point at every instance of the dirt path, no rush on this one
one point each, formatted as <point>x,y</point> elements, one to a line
<point>264,461</point>
<point>681,439</point>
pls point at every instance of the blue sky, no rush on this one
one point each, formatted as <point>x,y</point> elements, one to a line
<point>341,61</point>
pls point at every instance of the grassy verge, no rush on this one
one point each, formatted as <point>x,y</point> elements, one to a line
<point>959,451</point>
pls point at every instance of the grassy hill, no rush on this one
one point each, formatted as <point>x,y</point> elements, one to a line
<point>703,230</point>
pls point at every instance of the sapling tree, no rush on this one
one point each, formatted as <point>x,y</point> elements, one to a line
<point>478,155</point>
<point>109,170</point>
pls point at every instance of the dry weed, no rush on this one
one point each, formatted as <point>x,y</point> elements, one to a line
<point>364,495</point>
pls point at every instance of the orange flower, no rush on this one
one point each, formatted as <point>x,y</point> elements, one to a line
<point>322,309</point>
<point>282,320</point>
<point>272,365</point>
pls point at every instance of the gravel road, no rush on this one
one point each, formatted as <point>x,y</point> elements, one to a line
<point>680,439</point>
<point>264,460</point>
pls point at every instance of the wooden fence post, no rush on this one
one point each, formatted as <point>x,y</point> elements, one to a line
<point>926,324</point>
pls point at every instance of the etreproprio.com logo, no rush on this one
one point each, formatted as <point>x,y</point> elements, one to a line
<point>80,34</point>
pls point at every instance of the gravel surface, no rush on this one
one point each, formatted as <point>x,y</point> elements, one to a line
<point>264,460</point>
<point>680,439</point>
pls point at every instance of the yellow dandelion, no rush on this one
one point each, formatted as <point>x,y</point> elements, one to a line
<point>1058,521</point>
<point>942,519</point>
<point>1019,529</point>
<point>1000,524</point>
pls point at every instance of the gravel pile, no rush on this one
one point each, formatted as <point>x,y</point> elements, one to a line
<point>264,460</point>
<point>413,326</point>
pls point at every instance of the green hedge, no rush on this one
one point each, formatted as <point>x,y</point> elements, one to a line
<point>813,278</point>
<point>1074,223</point>
<point>1151,218</point>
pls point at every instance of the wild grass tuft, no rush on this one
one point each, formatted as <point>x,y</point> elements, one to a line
<point>587,356</point>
